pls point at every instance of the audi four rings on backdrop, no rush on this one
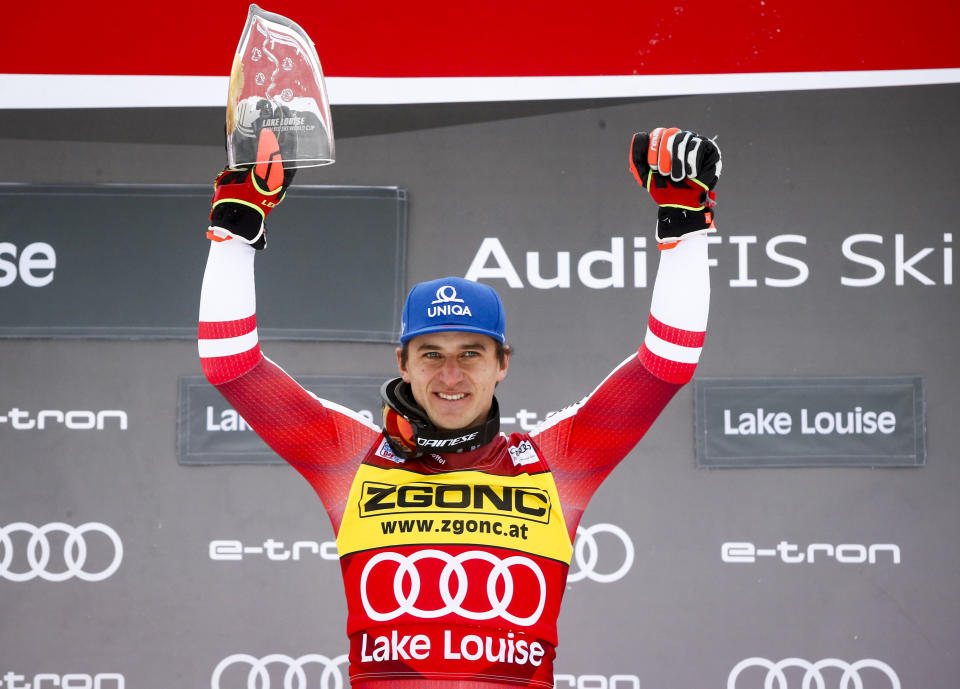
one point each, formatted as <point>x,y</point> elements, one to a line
<point>852,675</point>
<point>586,553</point>
<point>74,551</point>
<point>294,677</point>
<point>813,675</point>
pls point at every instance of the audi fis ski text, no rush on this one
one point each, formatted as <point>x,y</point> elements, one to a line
<point>618,268</point>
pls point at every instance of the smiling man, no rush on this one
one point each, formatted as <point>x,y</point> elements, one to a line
<point>451,361</point>
<point>455,539</point>
<point>451,358</point>
<point>454,374</point>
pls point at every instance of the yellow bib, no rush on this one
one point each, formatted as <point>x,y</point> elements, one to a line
<point>390,507</point>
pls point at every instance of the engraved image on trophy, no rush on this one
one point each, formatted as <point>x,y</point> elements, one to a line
<point>276,83</point>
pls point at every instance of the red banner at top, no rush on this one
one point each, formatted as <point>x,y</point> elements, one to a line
<point>496,38</point>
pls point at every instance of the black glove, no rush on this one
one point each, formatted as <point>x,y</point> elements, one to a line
<point>243,198</point>
<point>680,170</point>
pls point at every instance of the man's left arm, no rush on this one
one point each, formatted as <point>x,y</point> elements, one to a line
<point>584,442</point>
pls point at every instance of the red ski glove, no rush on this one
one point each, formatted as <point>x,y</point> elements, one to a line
<point>244,197</point>
<point>680,170</point>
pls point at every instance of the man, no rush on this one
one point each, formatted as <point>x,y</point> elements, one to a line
<point>454,539</point>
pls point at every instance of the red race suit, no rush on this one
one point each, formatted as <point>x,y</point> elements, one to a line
<point>454,565</point>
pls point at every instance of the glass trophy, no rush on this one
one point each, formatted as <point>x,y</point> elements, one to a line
<point>276,83</point>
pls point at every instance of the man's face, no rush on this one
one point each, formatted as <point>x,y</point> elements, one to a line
<point>452,375</point>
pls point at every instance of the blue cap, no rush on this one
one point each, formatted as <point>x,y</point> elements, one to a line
<point>452,304</point>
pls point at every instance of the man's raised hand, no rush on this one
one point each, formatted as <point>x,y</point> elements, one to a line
<point>680,170</point>
<point>243,198</point>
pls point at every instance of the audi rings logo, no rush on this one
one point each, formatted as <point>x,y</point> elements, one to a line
<point>453,594</point>
<point>586,554</point>
<point>813,676</point>
<point>324,672</point>
<point>38,549</point>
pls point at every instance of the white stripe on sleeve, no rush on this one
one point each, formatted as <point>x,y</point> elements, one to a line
<point>228,345</point>
<point>673,352</point>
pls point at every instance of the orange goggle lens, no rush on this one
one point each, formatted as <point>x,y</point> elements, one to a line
<point>399,429</point>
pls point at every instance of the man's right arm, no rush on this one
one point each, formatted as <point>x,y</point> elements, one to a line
<point>584,442</point>
<point>322,440</point>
